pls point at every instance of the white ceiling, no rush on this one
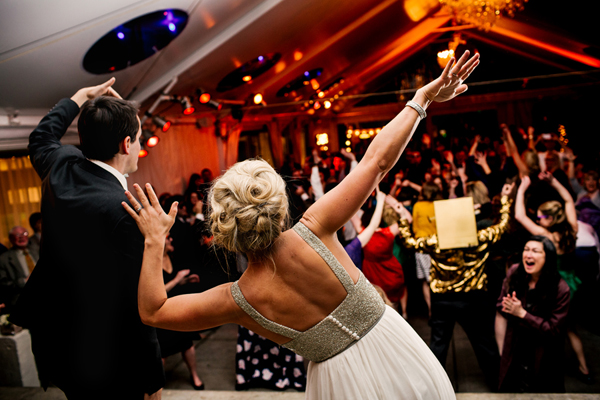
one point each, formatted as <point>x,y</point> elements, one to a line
<point>42,45</point>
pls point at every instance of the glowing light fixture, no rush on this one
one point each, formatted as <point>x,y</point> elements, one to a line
<point>247,78</point>
<point>204,98</point>
<point>327,104</point>
<point>153,141</point>
<point>482,13</point>
<point>186,104</point>
<point>162,123</point>
<point>322,139</point>
<point>258,98</point>
<point>121,35</point>
<point>143,153</point>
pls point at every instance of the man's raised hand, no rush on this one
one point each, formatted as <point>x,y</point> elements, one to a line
<point>91,92</point>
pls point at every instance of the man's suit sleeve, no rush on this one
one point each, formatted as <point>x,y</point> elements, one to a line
<point>45,138</point>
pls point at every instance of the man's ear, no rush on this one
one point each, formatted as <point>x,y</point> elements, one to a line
<point>126,145</point>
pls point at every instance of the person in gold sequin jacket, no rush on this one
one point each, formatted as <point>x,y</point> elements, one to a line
<point>458,286</point>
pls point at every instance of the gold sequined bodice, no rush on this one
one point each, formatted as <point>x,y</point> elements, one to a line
<point>360,311</point>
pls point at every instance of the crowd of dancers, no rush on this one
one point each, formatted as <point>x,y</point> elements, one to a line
<point>318,259</point>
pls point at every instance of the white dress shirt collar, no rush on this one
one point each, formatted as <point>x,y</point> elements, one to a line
<point>113,171</point>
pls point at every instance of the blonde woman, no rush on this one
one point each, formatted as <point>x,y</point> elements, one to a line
<point>301,290</point>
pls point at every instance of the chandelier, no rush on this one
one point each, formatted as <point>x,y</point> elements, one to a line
<point>481,13</point>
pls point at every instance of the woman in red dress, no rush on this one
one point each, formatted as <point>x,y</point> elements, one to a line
<point>382,268</point>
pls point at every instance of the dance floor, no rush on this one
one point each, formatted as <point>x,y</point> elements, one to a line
<point>216,362</point>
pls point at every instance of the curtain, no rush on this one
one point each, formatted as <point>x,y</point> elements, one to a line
<point>20,194</point>
<point>276,143</point>
<point>182,151</point>
<point>233,141</point>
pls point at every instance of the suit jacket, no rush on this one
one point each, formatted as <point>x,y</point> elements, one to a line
<point>34,245</point>
<point>80,302</point>
<point>12,278</point>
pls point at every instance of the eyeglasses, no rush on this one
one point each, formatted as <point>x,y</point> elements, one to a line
<point>22,234</point>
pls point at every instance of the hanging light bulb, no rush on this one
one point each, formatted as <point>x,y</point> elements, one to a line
<point>258,98</point>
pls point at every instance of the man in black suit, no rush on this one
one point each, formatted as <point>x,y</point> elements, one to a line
<point>15,266</point>
<point>80,303</point>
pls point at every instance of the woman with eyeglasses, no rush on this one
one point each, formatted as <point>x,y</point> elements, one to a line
<point>558,223</point>
<point>531,322</point>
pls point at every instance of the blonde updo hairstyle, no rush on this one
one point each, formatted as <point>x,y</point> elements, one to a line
<point>249,208</point>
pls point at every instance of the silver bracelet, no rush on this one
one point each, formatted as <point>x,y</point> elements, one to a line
<point>417,107</point>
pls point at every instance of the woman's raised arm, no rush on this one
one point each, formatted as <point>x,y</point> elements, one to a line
<point>336,207</point>
<point>184,313</point>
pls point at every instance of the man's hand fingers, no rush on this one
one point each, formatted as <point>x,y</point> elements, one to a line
<point>112,92</point>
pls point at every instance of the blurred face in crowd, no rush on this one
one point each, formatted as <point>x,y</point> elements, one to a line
<point>534,257</point>
<point>19,237</point>
<point>590,183</point>
<point>544,220</point>
<point>552,162</point>
<point>460,158</point>
<point>426,140</point>
<point>194,198</point>
<point>438,181</point>
<point>414,157</point>
<point>549,141</point>
<point>207,176</point>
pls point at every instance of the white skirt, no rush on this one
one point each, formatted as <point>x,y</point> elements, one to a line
<point>389,362</point>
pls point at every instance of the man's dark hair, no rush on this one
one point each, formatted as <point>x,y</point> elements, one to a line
<point>34,218</point>
<point>103,124</point>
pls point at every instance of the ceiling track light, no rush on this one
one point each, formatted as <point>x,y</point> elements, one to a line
<point>160,122</point>
<point>186,105</point>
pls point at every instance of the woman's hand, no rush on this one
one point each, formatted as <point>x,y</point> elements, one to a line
<point>525,182</point>
<point>508,188</point>
<point>150,217</point>
<point>180,277</point>
<point>546,176</point>
<point>183,277</point>
<point>512,305</point>
<point>450,83</point>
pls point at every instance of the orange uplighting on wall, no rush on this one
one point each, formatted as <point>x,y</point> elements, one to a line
<point>592,62</point>
<point>280,66</point>
<point>298,55</point>
<point>314,84</point>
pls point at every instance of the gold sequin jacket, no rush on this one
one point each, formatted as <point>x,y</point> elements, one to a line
<point>458,270</point>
